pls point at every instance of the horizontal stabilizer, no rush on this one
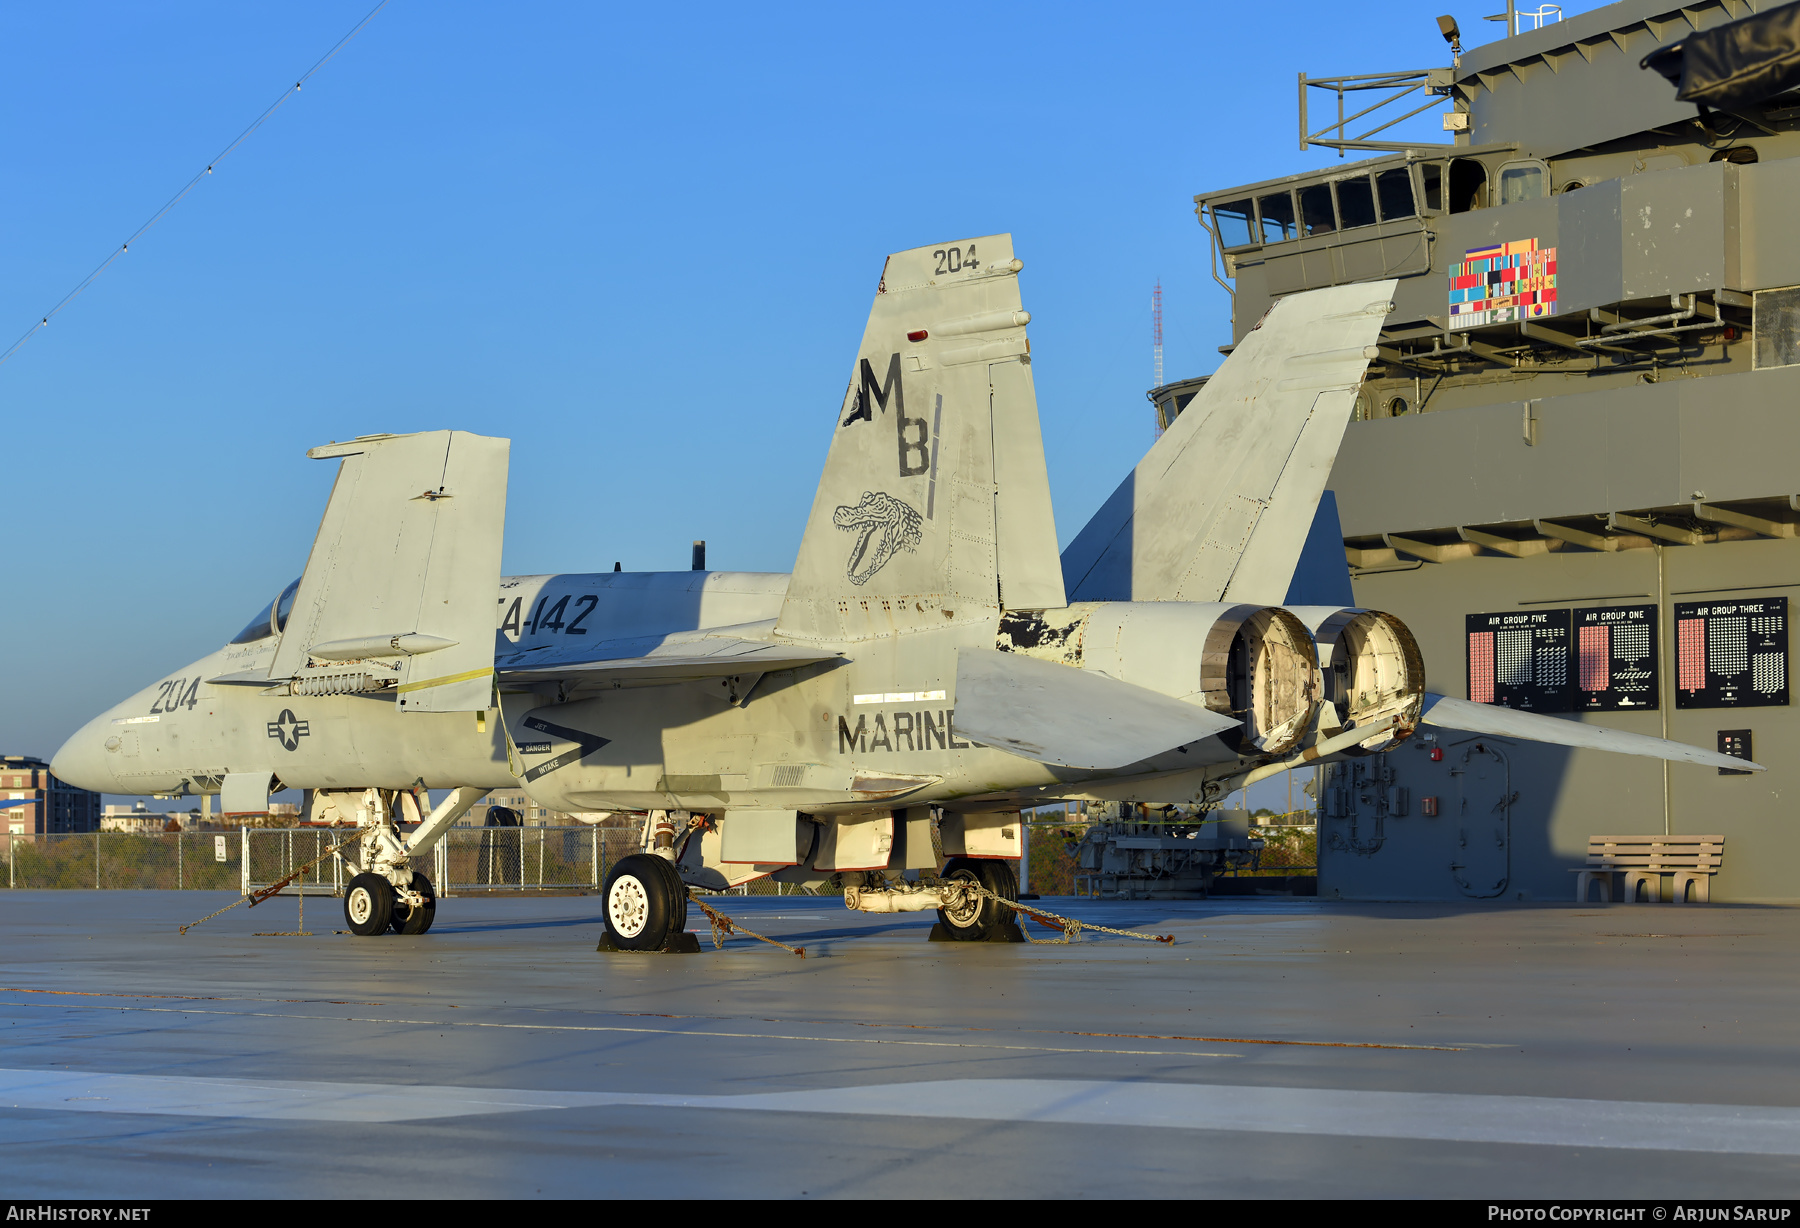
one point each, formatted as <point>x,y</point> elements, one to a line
<point>1535,727</point>
<point>660,658</point>
<point>1062,715</point>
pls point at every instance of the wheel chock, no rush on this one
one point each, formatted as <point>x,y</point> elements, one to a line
<point>1006,931</point>
<point>682,943</point>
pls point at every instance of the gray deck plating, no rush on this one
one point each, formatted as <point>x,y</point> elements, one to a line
<point>1281,1048</point>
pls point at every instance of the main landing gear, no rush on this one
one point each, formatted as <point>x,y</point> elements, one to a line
<point>645,905</point>
<point>970,917</point>
<point>372,906</point>
<point>970,896</point>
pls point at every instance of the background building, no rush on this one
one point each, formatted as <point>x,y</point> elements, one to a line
<point>530,813</point>
<point>33,802</point>
<point>139,819</point>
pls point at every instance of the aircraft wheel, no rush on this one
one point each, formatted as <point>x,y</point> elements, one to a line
<point>644,902</point>
<point>368,905</point>
<point>410,920</point>
<point>975,922</point>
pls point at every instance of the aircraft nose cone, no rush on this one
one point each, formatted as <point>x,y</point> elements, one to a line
<point>81,761</point>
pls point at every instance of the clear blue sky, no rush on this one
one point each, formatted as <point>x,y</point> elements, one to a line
<point>639,241</point>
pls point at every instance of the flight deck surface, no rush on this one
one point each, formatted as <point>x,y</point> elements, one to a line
<point>1281,1048</point>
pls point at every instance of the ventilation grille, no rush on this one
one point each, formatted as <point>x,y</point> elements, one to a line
<point>337,684</point>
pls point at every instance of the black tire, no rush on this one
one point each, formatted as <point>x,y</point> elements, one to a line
<point>368,905</point>
<point>410,920</point>
<point>678,914</point>
<point>642,903</point>
<point>979,924</point>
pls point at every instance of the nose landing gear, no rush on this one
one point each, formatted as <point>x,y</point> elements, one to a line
<point>372,906</point>
<point>386,893</point>
<point>368,905</point>
<point>415,917</point>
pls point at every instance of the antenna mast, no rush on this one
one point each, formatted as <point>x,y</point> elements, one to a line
<point>1156,335</point>
<point>1156,374</point>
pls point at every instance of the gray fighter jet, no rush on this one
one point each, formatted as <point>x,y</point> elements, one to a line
<point>924,663</point>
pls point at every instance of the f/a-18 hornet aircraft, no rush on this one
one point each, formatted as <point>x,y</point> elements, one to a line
<point>924,663</point>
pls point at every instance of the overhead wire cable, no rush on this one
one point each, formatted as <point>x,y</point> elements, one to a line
<point>191,184</point>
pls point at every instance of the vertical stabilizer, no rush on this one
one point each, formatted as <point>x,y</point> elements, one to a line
<point>1322,576</point>
<point>934,506</point>
<point>1219,508</point>
<point>405,566</point>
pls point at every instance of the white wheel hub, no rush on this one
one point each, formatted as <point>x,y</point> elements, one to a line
<point>362,905</point>
<point>628,906</point>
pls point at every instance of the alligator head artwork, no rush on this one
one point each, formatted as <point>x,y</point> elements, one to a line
<point>883,525</point>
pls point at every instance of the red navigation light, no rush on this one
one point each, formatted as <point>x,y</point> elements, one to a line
<point>919,335</point>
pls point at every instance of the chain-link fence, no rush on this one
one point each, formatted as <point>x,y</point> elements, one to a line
<point>266,855</point>
<point>528,858</point>
<point>542,859</point>
<point>465,860</point>
<point>1286,851</point>
<point>112,860</point>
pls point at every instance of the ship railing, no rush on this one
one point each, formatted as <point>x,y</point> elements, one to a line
<point>1390,88</point>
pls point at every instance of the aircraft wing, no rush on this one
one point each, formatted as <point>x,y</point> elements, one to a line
<point>1536,727</point>
<point>658,658</point>
<point>1219,508</point>
<point>1058,714</point>
<point>404,567</point>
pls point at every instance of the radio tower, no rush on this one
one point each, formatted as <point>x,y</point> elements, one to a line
<point>1156,375</point>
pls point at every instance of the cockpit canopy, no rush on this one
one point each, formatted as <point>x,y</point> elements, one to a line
<point>271,620</point>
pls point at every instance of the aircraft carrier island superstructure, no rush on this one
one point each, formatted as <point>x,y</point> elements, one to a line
<point>1575,463</point>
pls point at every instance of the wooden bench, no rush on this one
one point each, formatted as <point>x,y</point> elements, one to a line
<point>1645,859</point>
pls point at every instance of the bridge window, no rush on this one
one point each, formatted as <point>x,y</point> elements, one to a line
<point>1315,209</point>
<point>1395,190</point>
<point>1432,175</point>
<point>1278,217</point>
<point>1356,202</point>
<point>270,619</point>
<point>1468,185</point>
<point>1523,181</point>
<point>1235,222</point>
